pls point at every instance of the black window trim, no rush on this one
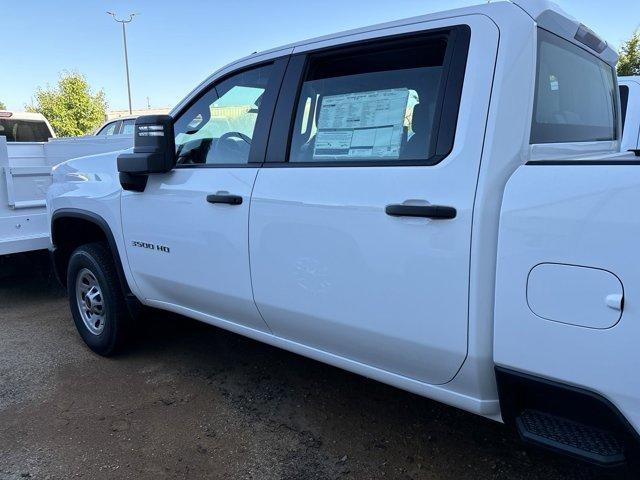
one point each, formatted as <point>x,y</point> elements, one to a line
<point>445,120</point>
<point>264,121</point>
<point>624,104</point>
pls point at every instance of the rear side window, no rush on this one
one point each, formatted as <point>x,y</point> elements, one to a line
<point>379,103</point>
<point>575,98</point>
<point>128,126</point>
<point>24,131</point>
<point>624,100</point>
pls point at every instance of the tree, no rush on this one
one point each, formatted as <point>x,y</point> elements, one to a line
<point>629,56</point>
<point>71,107</point>
<point>2,105</point>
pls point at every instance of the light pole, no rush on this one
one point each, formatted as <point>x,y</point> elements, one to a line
<point>126,56</point>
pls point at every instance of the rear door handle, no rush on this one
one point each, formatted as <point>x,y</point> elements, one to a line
<point>427,211</point>
<point>225,198</point>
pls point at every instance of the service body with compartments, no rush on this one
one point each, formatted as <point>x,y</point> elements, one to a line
<point>28,151</point>
<point>428,202</point>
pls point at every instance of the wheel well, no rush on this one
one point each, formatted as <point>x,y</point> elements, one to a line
<point>72,228</point>
<point>67,234</point>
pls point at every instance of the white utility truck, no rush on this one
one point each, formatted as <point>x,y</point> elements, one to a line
<point>25,175</point>
<point>630,106</point>
<point>431,202</point>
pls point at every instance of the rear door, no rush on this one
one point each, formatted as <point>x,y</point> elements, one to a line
<point>360,221</point>
<point>187,233</point>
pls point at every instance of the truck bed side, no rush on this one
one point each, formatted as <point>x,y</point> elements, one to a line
<point>568,277</point>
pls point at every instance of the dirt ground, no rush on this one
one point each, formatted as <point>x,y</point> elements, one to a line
<point>192,401</point>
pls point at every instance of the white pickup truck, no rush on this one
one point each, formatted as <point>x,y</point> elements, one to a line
<point>25,175</point>
<point>630,106</point>
<point>429,202</point>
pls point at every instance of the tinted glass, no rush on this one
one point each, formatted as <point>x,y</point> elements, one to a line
<point>373,103</point>
<point>575,97</point>
<point>219,126</point>
<point>24,131</point>
<point>624,100</point>
<point>127,127</point>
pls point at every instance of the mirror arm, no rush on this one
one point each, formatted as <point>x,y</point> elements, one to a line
<point>133,182</point>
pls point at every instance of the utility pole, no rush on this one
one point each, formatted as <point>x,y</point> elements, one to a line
<point>126,56</point>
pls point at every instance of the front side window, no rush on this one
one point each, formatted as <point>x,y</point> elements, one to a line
<point>109,129</point>
<point>575,98</point>
<point>219,127</point>
<point>376,103</point>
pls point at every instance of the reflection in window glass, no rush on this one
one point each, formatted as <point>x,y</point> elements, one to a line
<point>128,126</point>
<point>108,129</point>
<point>218,127</point>
<point>24,130</point>
<point>575,94</point>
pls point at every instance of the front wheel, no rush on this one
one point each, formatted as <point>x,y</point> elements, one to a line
<point>96,300</point>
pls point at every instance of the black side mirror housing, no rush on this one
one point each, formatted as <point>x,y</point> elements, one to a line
<point>154,151</point>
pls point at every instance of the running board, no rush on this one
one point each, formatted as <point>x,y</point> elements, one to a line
<point>588,443</point>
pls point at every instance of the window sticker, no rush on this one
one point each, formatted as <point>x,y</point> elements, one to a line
<point>553,82</point>
<point>361,125</point>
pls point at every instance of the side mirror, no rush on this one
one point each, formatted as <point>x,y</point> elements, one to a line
<point>154,151</point>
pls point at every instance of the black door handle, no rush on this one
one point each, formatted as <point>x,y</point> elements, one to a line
<point>225,198</point>
<point>426,211</point>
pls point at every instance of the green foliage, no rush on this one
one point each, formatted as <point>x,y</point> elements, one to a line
<point>2,106</point>
<point>629,56</point>
<point>71,107</point>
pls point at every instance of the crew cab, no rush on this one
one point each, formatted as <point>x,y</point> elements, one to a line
<point>429,202</point>
<point>630,106</point>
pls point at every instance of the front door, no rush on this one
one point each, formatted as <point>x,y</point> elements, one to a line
<point>360,241</point>
<point>187,233</point>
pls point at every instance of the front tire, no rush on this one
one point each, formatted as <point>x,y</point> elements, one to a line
<point>96,300</point>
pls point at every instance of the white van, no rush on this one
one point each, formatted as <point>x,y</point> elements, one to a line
<point>25,127</point>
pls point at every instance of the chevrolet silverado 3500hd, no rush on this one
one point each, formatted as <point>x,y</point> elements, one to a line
<point>438,203</point>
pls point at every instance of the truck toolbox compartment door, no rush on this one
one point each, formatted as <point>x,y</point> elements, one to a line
<point>576,295</point>
<point>27,186</point>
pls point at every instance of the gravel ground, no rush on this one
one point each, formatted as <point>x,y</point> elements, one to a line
<point>192,401</point>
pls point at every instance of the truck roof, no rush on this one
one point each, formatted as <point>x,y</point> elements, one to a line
<point>28,116</point>
<point>544,13</point>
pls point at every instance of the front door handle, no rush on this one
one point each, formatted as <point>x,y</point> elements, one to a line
<point>225,198</point>
<point>439,212</point>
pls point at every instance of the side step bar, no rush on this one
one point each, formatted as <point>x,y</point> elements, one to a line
<point>566,419</point>
<point>588,443</point>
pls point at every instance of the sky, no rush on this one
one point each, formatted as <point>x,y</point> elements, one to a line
<point>174,45</point>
